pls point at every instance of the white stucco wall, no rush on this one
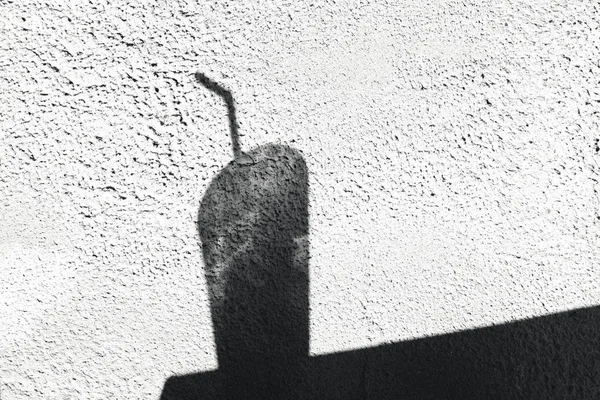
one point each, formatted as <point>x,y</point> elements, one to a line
<point>453,155</point>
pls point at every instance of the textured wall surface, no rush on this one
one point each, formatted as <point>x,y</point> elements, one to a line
<point>453,150</point>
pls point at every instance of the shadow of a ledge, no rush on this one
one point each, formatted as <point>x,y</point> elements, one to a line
<point>551,357</point>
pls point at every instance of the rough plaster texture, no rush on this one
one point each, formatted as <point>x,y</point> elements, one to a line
<point>452,149</point>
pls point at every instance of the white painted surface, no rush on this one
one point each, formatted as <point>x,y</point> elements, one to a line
<point>451,146</point>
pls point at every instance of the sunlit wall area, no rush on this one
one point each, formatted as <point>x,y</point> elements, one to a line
<point>452,150</point>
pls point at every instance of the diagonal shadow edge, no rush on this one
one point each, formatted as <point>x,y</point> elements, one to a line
<point>555,356</point>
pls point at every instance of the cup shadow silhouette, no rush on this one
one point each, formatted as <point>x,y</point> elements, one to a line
<point>253,224</point>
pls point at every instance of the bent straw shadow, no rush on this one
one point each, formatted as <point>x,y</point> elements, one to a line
<point>228,98</point>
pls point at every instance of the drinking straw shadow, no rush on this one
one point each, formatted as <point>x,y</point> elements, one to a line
<point>229,103</point>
